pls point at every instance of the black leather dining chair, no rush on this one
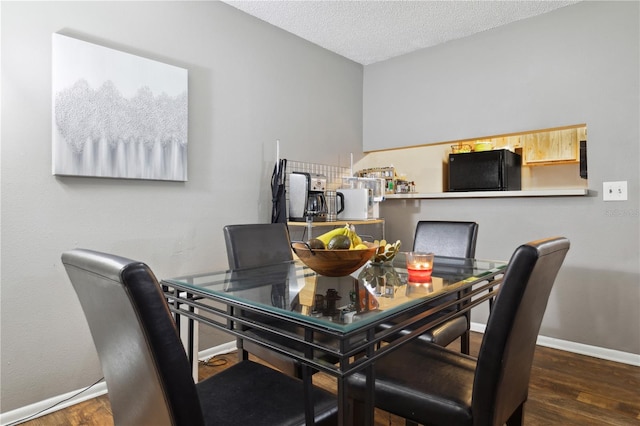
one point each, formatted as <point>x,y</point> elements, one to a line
<point>145,366</point>
<point>453,239</point>
<point>432,385</point>
<point>257,244</point>
<point>252,245</point>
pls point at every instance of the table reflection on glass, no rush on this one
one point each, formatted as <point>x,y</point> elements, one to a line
<point>332,318</point>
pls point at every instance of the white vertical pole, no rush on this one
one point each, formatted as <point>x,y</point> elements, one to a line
<point>351,165</point>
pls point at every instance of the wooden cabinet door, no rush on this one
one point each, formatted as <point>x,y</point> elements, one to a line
<point>551,147</point>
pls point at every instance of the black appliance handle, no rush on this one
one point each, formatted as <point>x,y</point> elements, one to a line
<point>340,195</point>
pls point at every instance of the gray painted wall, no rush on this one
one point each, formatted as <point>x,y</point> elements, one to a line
<point>579,64</point>
<point>249,84</point>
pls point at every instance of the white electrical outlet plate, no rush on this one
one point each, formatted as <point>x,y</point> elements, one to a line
<point>614,191</point>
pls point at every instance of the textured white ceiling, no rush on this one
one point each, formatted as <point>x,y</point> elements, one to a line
<point>372,31</point>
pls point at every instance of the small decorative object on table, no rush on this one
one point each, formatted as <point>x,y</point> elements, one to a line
<point>380,275</point>
<point>386,252</point>
<point>336,253</point>
<point>419,266</point>
<point>382,278</point>
<point>333,263</point>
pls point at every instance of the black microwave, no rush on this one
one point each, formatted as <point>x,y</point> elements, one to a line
<point>495,170</point>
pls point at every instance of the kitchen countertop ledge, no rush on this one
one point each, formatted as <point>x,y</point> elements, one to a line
<point>492,194</point>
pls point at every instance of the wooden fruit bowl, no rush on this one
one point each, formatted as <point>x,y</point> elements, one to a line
<point>333,263</point>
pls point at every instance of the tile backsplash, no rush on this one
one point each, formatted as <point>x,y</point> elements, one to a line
<point>334,174</point>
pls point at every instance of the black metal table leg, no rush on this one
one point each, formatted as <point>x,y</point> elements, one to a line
<point>307,374</point>
<point>343,403</point>
<point>371,381</point>
<point>309,414</point>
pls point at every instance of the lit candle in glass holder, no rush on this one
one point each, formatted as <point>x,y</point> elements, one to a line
<point>419,266</point>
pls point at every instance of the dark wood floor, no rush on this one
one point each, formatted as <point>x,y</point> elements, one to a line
<point>565,389</point>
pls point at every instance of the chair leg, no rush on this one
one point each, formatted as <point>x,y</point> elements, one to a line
<point>356,412</point>
<point>466,337</point>
<point>517,418</point>
<point>465,342</point>
<point>242,354</point>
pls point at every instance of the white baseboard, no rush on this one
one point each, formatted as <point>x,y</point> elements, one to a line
<point>579,348</point>
<point>224,348</point>
<point>50,405</point>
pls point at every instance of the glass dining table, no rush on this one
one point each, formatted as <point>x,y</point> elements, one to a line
<point>331,324</point>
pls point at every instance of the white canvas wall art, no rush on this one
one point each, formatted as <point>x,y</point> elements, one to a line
<point>117,115</point>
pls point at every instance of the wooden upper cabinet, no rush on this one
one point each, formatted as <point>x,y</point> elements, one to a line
<point>558,146</point>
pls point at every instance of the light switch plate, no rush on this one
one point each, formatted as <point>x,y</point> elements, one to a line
<point>614,191</point>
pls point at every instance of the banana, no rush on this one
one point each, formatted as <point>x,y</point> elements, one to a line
<point>355,238</point>
<point>350,235</point>
<point>327,236</point>
<point>348,230</point>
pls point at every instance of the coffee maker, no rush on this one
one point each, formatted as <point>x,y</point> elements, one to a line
<point>306,197</point>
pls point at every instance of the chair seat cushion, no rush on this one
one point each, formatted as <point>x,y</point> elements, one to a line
<point>446,332</point>
<point>272,399</point>
<point>284,363</point>
<point>440,393</point>
<point>442,334</point>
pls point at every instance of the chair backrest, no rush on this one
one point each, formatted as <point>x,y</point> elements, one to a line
<point>143,361</point>
<point>257,244</point>
<point>506,353</point>
<point>446,238</point>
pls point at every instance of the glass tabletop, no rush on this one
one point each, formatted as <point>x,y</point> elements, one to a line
<point>370,294</point>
